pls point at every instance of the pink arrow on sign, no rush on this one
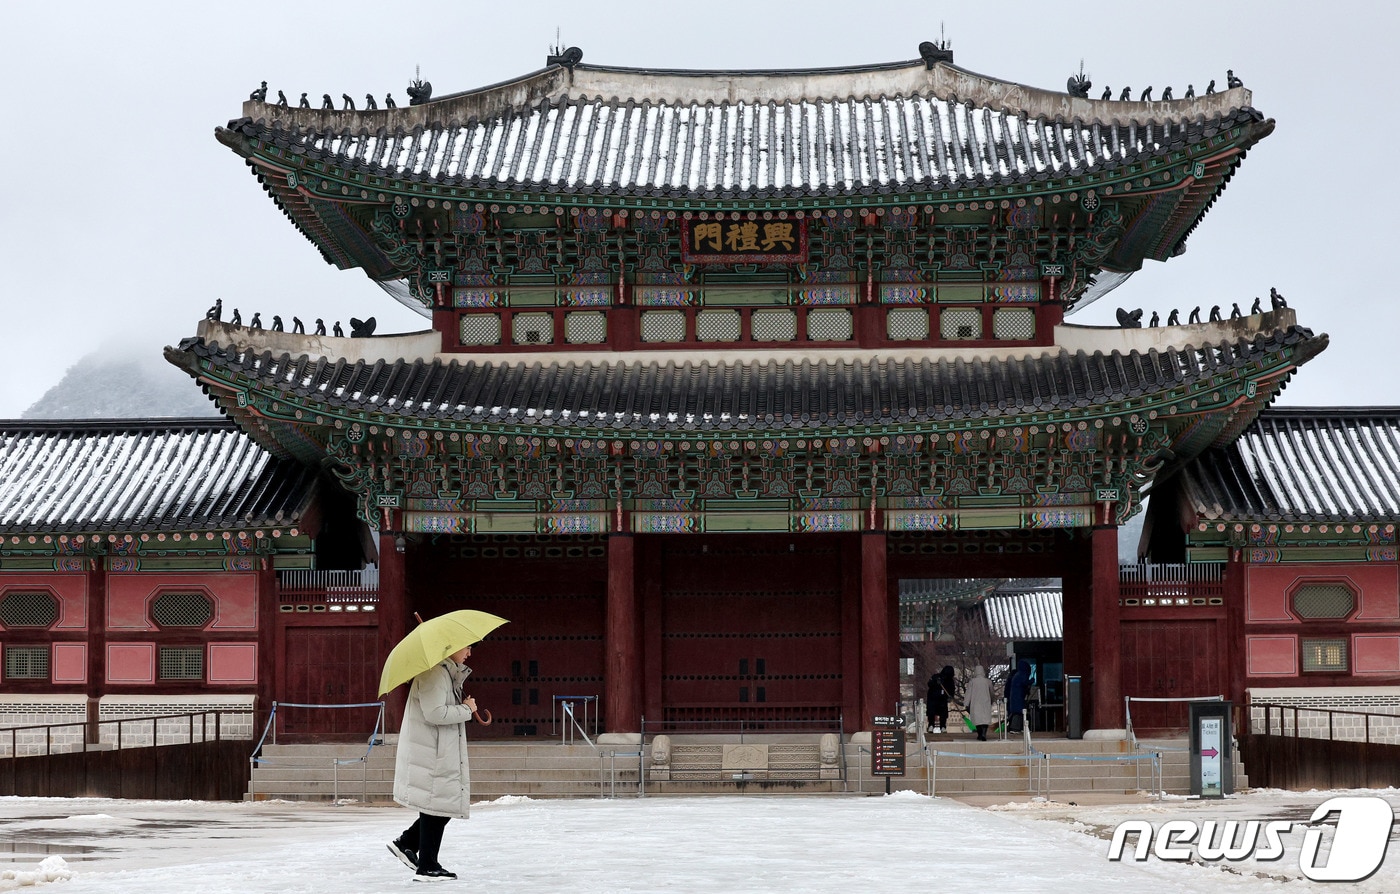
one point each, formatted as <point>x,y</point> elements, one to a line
<point>1209,752</point>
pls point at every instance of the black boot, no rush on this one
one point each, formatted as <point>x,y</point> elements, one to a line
<point>981,732</point>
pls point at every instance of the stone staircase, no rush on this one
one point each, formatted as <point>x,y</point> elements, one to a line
<point>699,765</point>
<point>536,769</point>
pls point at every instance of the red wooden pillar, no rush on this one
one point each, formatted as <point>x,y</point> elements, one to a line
<point>1232,656</point>
<point>393,619</point>
<point>1107,705</point>
<point>879,676</point>
<point>269,601</point>
<point>96,643</point>
<point>622,665</point>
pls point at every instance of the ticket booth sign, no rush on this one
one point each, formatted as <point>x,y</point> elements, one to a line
<point>887,745</point>
<point>1212,755</point>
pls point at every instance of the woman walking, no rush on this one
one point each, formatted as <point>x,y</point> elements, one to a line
<point>979,702</point>
<point>430,773</point>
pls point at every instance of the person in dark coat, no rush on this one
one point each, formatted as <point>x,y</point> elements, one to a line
<point>1016,695</point>
<point>940,693</point>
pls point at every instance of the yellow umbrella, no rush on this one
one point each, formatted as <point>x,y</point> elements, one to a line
<point>432,641</point>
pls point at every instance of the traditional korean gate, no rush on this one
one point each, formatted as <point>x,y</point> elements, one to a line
<point>1169,659</point>
<point>328,666</point>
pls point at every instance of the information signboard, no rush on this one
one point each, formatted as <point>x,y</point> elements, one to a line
<point>887,745</point>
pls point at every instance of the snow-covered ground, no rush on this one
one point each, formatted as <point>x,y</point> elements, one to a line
<point>717,845</point>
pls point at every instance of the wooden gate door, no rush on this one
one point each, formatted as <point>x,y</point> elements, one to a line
<point>328,666</point>
<point>1169,659</point>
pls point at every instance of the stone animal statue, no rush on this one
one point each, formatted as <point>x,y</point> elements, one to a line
<point>1231,81</point>
<point>1107,93</point>
<point>1215,314</point>
<point>1210,88</point>
<point>257,321</point>
<point>1130,319</point>
<point>237,319</point>
<point>305,103</point>
<point>298,327</point>
<point>277,324</point>
<point>339,333</point>
<point>1235,313</point>
<point>217,311</point>
<point>260,94</point>
<point>1174,318</point>
<point>362,328</point>
<point>573,56</point>
<point>1146,95</point>
<point>326,101</point>
<point>419,92</point>
<point>1255,308</point>
<point>370,104</point>
<point>281,99</point>
<point>349,103</point>
<point>1190,91</point>
<point>389,101</point>
<point>320,326</point>
<point>1155,321</point>
<point>1126,95</point>
<point>1167,94</point>
<point>1276,299</point>
<point>1195,316</point>
<point>1078,85</point>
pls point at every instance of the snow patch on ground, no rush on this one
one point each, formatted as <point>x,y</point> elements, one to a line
<point>52,869</point>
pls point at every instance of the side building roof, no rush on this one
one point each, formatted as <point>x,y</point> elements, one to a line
<point>1302,464</point>
<point>90,476</point>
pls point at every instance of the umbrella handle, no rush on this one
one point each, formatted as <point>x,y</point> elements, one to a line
<point>482,716</point>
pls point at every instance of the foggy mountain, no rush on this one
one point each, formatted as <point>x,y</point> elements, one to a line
<point>102,385</point>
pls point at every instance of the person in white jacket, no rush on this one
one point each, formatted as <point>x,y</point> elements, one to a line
<point>979,702</point>
<point>430,772</point>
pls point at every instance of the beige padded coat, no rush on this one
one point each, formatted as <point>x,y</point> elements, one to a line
<point>430,772</point>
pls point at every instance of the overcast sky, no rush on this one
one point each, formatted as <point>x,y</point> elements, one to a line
<point>123,219</point>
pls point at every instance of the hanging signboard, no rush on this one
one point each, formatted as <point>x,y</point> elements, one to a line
<point>743,241</point>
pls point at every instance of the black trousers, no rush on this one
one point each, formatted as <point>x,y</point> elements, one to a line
<point>425,836</point>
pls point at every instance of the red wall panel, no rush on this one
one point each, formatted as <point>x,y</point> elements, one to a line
<point>235,597</point>
<point>70,588</point>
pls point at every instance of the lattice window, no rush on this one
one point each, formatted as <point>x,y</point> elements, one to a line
<point>962,324</point>
<point>28,610</point>
<point>1013,323</point>
<point>27,663</point>
<point>181,663</point>
<point>586,328</point>
<point>774,325</point>
<point>480,329</point>
<point>907,324</point>
<point>1323,601</point>
<point>1325,654</point>
<point>717,325</point>
<point>663,325</point>
<point>532,329</point>
<point>829,324</point>
<point>181,610</point>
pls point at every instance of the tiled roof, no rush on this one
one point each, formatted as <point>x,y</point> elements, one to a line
<point>740,148</point>
<point>742,395</point>
<point>180,474</point>
<point>1026,615</point>
<point>1303,464</point>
